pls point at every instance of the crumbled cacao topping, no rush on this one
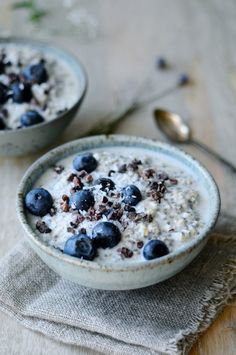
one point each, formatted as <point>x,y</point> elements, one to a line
<point>140,217</point>
<point>65,198</point>
<point>42,227</point>
<point>82,231</point>
<point>109,203</point>
<point>116,205</point>
<point>75,189</point>
<point>74,224</point>
<point>132,215</point>
<point>71,177</point>
<point>129,208</point>
<point>173,181</point>
<point>125,224</point>
<point>148,173</point>
<point>101,208</point>
<point>65,203</point>
<point>114,194</point>
<point>116,214</point>
<point>156,195</point>
<point>88,178</point>
<point>71,230</point>
<point>157,190</point>
<point>80,218</point>
<point>104,199</point>
<point>82,173</point>
<point>91,213</point>
<point>65,207</point>
<point>58,168</point>
<point>127,253</point>
<point>111,172</point>
<point>134,165</point>
<point>122,169</point>
<point>77,182</point>
<point>139,244</point>
<point>162,176</point>
<point>98,215</point>
<point>52,211</point>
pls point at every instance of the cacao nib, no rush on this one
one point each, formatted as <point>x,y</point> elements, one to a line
<point>71,177</point>
<point>77,182</point>
<point>173,181</point>
<point>58,168</point>
<point>42,227</point>
<point>65,198</point>
<point>139,244</point>
<point>82,231</point>
<point>129,208</point>
<point>148,173</point>
<point>104,199</point>
<point>88,178</point>
<point>52,211</point>
<point>127,253</point>
<point>111,172</point>
<point>116,205</point>
<point>82,173</point>
<point>80,218</point>
<point>122,169</point>
<point>162,176</point>
<point>71,230</point>
<point>134,164</point>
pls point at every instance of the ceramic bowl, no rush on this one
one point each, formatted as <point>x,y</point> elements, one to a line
<point>30,139</point>
<point>120,276</point>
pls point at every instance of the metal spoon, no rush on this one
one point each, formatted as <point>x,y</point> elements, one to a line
<point>178,131</point>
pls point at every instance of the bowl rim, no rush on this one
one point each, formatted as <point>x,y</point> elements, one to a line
<point>117,138</point>
<point>58,49</point>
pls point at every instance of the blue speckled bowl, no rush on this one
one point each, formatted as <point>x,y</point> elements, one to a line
<point>27,140</point>
<point>120,276</point>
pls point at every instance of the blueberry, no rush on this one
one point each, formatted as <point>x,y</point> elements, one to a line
<point>155,248</point>
<point>106,235</point>
<point>38,201</point>
<point>36,73</point>
<point>80,246</point>
<point>2,123</point>
<point>105,184</point>
<point>131,195</point>
<point>81,200</point>
<point>3,93</point>
<point>183,80</point>
<point>85,162</point>
<point>21,92</point>
<point>162,63</point>
<point>31,118</point>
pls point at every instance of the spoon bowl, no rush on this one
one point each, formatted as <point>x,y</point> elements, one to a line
<point>172,126</point>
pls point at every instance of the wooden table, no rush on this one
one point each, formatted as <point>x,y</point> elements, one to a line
<point>197,37</point>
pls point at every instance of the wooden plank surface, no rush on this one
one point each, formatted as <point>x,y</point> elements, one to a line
<point>197,37</point>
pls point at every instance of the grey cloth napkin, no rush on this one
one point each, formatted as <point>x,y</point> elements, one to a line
<point>162,319</point>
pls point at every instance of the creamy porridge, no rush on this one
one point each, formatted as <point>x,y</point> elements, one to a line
<point>31,81</point>
<point>119,200</point>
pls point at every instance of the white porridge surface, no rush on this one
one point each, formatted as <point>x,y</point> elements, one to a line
<point>171,209</point>
<point>57,94</point>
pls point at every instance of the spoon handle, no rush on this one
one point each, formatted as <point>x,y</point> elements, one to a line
<point>214,154</point>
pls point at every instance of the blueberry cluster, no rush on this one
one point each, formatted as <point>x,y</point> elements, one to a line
<point>104,235</point>
<point>19,89</point>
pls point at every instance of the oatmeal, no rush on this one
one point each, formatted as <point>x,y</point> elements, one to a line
<point>116,206</point>
<point>34,87</point>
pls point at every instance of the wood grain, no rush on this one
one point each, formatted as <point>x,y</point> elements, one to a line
<point>195,36</point>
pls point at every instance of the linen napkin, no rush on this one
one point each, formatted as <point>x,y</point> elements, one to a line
<point>162,319</point>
